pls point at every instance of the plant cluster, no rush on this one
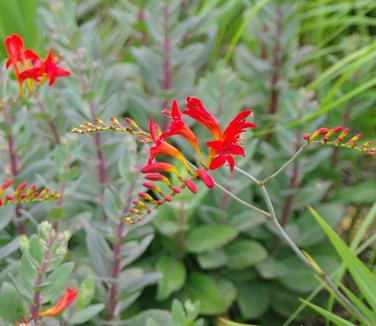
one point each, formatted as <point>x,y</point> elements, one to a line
<point>159,202</point>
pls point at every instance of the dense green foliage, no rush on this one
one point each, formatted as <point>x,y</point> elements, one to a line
<point>299,65</point>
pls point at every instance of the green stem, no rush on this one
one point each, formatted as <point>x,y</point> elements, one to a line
<point>292,159</point>
<point>244,203</point>
<point>295,248</point>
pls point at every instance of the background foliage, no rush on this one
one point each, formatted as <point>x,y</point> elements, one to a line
<point>299,65</point>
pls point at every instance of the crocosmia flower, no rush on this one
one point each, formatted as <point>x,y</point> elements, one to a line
<point>162,147</point>
<point>28,65</point>
<point>17,54</point>
<point>67,298</point>
<point>196,110</point>
<point>223,149</point>
<point>178,127</point>
<point>47,69</point>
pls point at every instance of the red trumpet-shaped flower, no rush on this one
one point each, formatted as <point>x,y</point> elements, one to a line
<point>162,147</point>
<point>223,149</point>
<point>64,301</point>
<point>47,69</point>
<point>15,48</point>
<point>178,127</point>
<point>28,65</point>
<point>197,111</point>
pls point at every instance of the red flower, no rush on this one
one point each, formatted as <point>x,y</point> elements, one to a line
<point>15,48</point>
<point>160,167</point>
<point>223,149</point>
<point>178,127</point>
<point>197,111</point>
<point>161,147</point>
<point>47,69</point>
<point>61,305</point>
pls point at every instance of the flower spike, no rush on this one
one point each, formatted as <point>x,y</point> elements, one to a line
<point>21,195</point>
<point>340,140</point>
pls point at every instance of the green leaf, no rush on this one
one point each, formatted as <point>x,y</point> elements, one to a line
<point>272,268</point>
<point>86,314</point>
<point>86,292</point>
<point>11,307</point>
<point>362,307</point>
<point>253,299</point>
<point>209,237</point>
<point>9,248</point>
<point>203,288</point>
<point>161,317</point>
<point>173,276</point>
<point>212,259</point>
<point>300,277</point>
<point>328,315</point>
<point>244,253</point>
<point>58,279</point>
<point>363,277</point>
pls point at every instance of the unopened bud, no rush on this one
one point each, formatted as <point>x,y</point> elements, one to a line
<point>132,123</point>
<point>191,186</point>
<point>318,132</point>
<point>175,189</point>
<point>145,196</point>
<point>206,178</point>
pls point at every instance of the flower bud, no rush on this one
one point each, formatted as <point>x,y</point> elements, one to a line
<point>318,132</point>
<point>175,189</point>
<point>145,196</point>
<point>158,177</point>
<point>206,178</point>
<point>342,136</point>
<point>191,186</point>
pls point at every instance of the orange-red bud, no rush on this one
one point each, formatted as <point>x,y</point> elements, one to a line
<point>138,203</point>
<point>6,184</point>
<point>132,123</point>
<point>168,198</point>
<point>21,187</point>
<point>145,196</point>
<point>206,178</point>
<point>318,132</point>
<point>158,177</point>
<point>175,189</point>
<point>191,186</point>
<point>342,136</point>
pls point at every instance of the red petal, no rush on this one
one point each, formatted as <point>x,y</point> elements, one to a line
<point>231,162</point>
<point>217,162</point>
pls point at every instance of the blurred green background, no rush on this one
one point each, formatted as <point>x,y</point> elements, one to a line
<point>299,65</point>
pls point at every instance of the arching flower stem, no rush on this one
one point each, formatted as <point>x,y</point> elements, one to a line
<point>300,254</point>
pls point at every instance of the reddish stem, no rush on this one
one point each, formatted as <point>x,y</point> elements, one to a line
<point>141,17</point>
<point>52,126</point>
<point>102,173</point>
<point>14,168</point>
<point>116,264</point>
<point>166,56</point>
<point>116,269</point>
<point>293,183</point>
<point>166,49</point>
<point>41,271</point>
<point>273,107</point>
